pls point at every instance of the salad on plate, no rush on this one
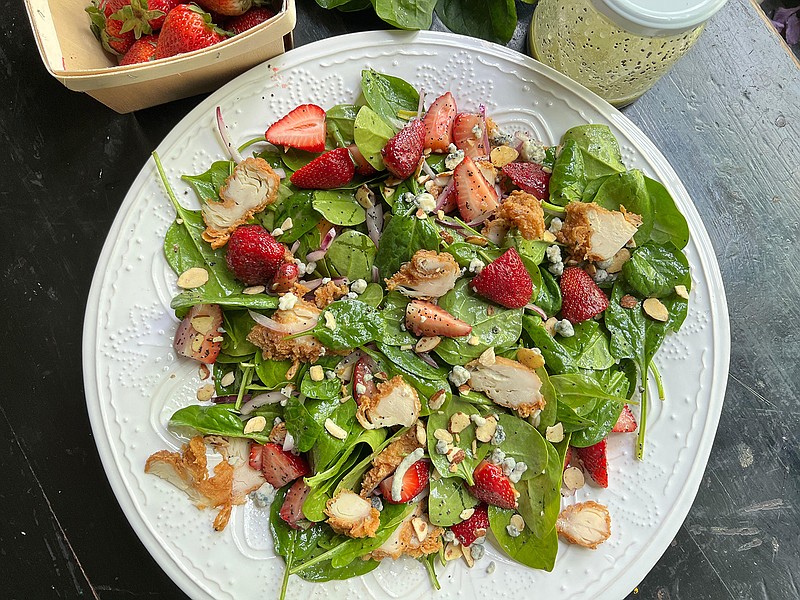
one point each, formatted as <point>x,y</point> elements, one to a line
<point>416,329</point>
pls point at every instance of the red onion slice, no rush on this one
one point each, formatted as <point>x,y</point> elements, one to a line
<point>480,219</point>
<point>261,400</point>
<point>482,110</point>
<point>285,328</point>
<point>280,172</point>
<point>375,223</point>
<point>318,255</point>
<point>445,194</point>
<point>537,310</point>
<point>233,152</point>
<point>428,359</point>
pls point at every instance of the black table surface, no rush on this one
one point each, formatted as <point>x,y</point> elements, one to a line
<point>728,119</point>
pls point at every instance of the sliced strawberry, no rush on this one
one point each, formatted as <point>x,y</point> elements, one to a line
<point>626,422</point>
<point>439,123</point>
<point>414,481</point>
<point>425,319</point>
<point>363,383</point>
<point>476,526</point>
<point>570,457</point>
<point>328,171</point>
<point>362,166</point>
<point>529,177</point>
<point>475,196</point>
<point>505,280</point>
<point>402,152</point>
<point>253,255</point>
<point>197,332</point>
<point>492,486</point>
<point>595,462</point>
<point>285,278</point>
<point>469,134</point>
<point>256,451</point>
<point>292,508</point>
<point>581,299</point>
<point>280,467</point>
<point>303,128</point>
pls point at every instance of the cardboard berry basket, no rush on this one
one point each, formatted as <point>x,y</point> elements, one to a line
<point>74,57</point>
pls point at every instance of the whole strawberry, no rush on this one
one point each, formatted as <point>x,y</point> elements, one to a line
<point>253,17</point>
<point>143,17</point>
<point>143,50</point>
<point>108,30</point>
<point>254,256</point>
<point>187,28</point>
<point>581,299</point>
<point>505,280</point>
<point>402,152</point>
<point>331,170</point>
<point>230,8</point>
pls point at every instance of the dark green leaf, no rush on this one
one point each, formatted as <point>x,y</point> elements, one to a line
<point>493,20</point>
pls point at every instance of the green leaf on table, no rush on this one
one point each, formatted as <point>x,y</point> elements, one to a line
<point>406,14</point>
<point>492,20</point>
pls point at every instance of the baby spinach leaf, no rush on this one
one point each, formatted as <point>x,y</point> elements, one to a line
<point>206,295</point>
<point>599,147</point>
<point>237,324</point>
<point>392,316</point>
<point>526,548</point>
<point>579,391</point>
<point>299,206</point>
<point>327,389</point>
<point>339,123</point>
<point>653,270</point>
<point>406,14</point>
<point>533,250</point>
<point>570,420</point>
<point>371,134</point>
<point>207,185</point>
<point>388,95</point>
<point>628,189</point>
<point>301,424</point>
<point>627,329</point>
<point>339,208</point>
<point>465,253</point>
<point>355,324</point>
<point>217,419</point>
<point>669,225</point>
<point>549,297</point>
<point>588,347</point>
<point>493,20</point>
<point>447,499</point>
<point>441,420</point>
<point>401,238</point>
<point>558,358</point>
<point>569,175</point>
<point>656,331</point>
<point>549,414</point>
<point>410,362</point>
<point>295,159</point>
<point>352,254</point>
<point>373,295</point>
<point>524,444</point>
<point>272,373</point>
<point>540,497</point>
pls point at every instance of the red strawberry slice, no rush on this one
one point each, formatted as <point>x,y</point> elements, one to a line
<point>303,128</point>
<point>529,177</point>
<point>626,422</point>
<point>280,467</point>
<point>426,319</point>
<point>570,457</point>
<point>474,195</point>
<point>402,152</point>
<point>253,255</point>
<point>187,28</point>
<point>256,452</point>
<point>492,486</point>
<point>414,481</point>
<point>362,166</point>
<point>468,134</point>
<point>362,379</point>
<point>505,280</point>
<point>292,508</point>
<point>595,462</point>
<point>581,299</point>
<point>197,331</point>
<point>328,171</point>
<point>250,19</point>
<point>439,123</point>
<point>285,278</point>
<point>476,526</point>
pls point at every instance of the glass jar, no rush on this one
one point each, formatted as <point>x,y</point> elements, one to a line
<point>616,48</point>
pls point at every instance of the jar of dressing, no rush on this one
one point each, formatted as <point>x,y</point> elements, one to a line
<point>617,48</point>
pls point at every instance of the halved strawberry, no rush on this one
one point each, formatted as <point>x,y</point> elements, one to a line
<point>492,486</point>
<point>425,319</point>
<point>363,383</point>
<point>328,171</point>
<point>476,526</point>
<point>581,298</point>
<point>468,134</point>
<point>595,462</point>
<point>256,452</point>
<point>292,508</point>
<point>362,166</point>
<point>439,123</point>
<point>626,422</point>
<point>505,280</point>
<point>402,152</point>
<point>280,467</point>
<point>197,332</point>
<point>474,195</point>
<point>285,278</point>
<point>414,481</point>
<point>303,128</point>
<point>529,177</point>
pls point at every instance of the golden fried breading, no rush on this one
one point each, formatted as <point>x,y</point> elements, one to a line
<point>523,211</point>
<point>385,463</point>
<point>329,292</point>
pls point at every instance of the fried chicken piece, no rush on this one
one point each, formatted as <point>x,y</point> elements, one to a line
<point>586,524</point>
<point>594,233</point>
<point>395,403</point>
<point>406,539</point>
<point>329,292</point>
<point>251,187</point>
<point>523,211</point>
<point>236,452</point>
<point>273,344</point>
<point>351,515</point>
<point>428,274</point>
<point>508,383</point>
<point>385,463</point>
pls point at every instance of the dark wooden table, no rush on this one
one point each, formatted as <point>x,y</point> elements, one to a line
<point>728,119</point>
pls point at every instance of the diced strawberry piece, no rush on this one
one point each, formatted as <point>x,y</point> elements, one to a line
<point>505,280</point>
<point>363,383</point>
<point>529,177</point>
<point>439,123</point>
<point>292,508</point>
<point>424,318</point>
<point>285,278</point>
<point>362,166</point>
<point>197,331</point>
<point>280,467</point>
<point>626,422</point>
<point>468,134</point>
<point>402,152</point>
<point>414,481</point>
<point>581,298</point>
<point>328,171</point>
<point>492,486</point>
<point>474,195</point>
<point>303,128</point>
<point>253,255</point>
<point>595,462</point>
<point>476,526</point>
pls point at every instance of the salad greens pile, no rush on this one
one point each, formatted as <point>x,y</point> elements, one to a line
<point>587,377</point>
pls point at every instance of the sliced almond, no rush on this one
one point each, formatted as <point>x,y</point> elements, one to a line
<point>682,291</point>
<point>254,289</point>
<point>335,430</point>
<point>619,259</point>
<point>548,236</point>
<point>255,425</point>
<point>466,513</point>
<point>197,342</point>
<point>476,240</point>
<point>574,478</point>
<point>459,422</point>
<point>466,552</point>
<point>518,522</point>
<point>628,301</point>
<point>502,155</point>
<point>202,323</point>
<point>427,343</point>
<point>227,379</point>
<point>474,340</point>
<point>451,551</point>
<point>330,321</point>
<point>555,434</point>
<point>317,373</point>
<point>422,436</point>
<point>444,435</point>
<point>455,455</point>
<point>655,309</point>
<point>531,358</point>
<point>420,528</point>
<point>204,372</point>
<point>487,358</point>
<point>486,432</point>
<point>550,326</point>
<point>193,278</point>
<point>206,392</point>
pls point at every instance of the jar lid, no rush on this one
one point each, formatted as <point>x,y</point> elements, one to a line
<point>659,17</point>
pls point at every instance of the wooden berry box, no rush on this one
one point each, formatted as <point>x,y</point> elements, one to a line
<point>74,57</point>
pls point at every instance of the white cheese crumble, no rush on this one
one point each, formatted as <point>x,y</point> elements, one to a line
<point>287,301</point>
<point>476,265</point>
<point>359,286</point>
<point>426,202</point>
<point>453,159</point>
<point>532,151</point>
<point>458,376</point>
<point>564,328</point>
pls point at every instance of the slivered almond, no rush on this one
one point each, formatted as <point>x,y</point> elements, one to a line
<point>444,435</point>
<point>574,478</point>
<point>205,393</point>
<point>682,291</point>
<point>193,278</point>
<point>531,358</point>
<point>335,430</point>
<point>227,379</point>
<point>427,343</point>
<point>459,422</point>
<point>451,551</point>
<point>255,425</point>
<point>202,323</point>
<point>420,528</point>
<point>502,155</point>
<point>655,309</point>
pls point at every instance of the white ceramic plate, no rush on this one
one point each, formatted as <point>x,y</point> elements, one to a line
<point>134,381</point>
